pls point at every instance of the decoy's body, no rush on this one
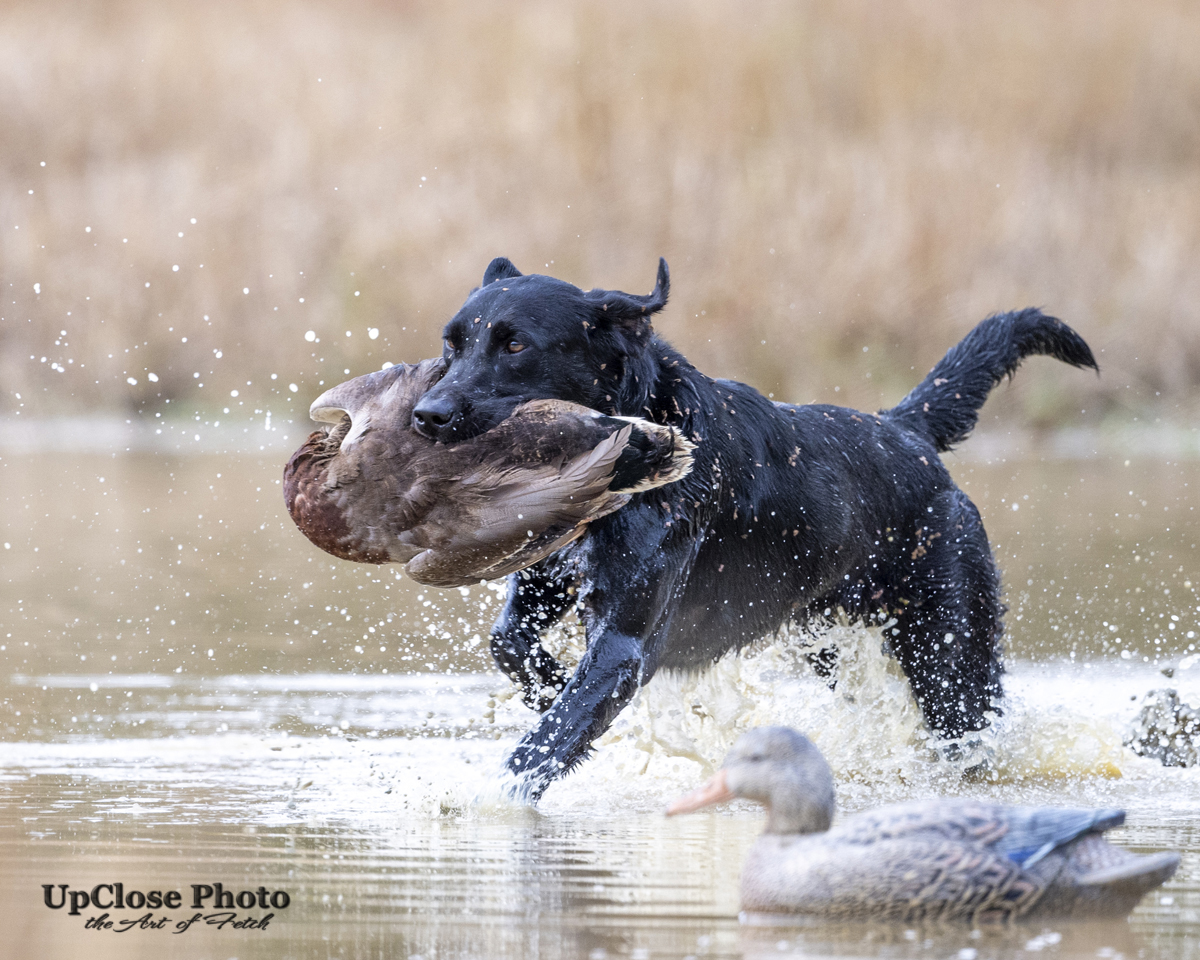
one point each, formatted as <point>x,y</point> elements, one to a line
<point>371,489</point>
<point>936,860</point>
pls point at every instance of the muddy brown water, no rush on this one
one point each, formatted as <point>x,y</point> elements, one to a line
<point>191,694</point>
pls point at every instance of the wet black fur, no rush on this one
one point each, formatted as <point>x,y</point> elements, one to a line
<point>791,512</point>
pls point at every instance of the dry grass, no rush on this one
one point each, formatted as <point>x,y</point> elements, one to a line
<point>823,177</point>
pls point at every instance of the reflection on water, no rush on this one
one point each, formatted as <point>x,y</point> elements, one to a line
<point>189,693</point>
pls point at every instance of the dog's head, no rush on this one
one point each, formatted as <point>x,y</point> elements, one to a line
<point>520,338</point>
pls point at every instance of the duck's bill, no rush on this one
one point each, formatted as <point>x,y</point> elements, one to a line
<point>715,791</point>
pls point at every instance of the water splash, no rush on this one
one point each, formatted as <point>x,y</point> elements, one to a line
<point>1060,722</point>
<point>432,746</point>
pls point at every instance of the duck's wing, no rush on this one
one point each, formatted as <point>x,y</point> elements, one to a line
<point>545,431</point>
<point>1030,833</point>
<point>503,518</point>
<point>528,487</point>
<point>654,454</point>
<point>1023,835</point>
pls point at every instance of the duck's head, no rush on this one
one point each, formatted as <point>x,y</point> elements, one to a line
<point>380,400</point>
<point>781,769</point>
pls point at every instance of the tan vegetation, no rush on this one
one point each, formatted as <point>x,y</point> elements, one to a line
<point>825,178</point>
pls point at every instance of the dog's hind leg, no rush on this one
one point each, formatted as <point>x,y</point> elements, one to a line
<point>535,602</point>
<point>947,637</point>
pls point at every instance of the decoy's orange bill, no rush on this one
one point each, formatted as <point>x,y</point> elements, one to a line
<point>715,791</point>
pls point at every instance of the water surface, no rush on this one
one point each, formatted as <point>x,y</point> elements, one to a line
<point>191,693</point>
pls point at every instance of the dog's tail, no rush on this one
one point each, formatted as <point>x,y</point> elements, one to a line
<point>944,407</point>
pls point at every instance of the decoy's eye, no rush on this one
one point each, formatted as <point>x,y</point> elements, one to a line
<point>514,346</point>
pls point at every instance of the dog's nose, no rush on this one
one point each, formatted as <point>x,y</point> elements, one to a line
<point>432,415</point>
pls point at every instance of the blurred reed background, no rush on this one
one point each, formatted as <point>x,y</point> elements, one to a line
<point>841,188</point>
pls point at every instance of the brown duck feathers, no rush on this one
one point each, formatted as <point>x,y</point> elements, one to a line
<point>369,488</point>
<point>962,861</point>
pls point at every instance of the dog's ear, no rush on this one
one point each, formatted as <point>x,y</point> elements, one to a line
<point>500,269</point>
<point>629,310</point>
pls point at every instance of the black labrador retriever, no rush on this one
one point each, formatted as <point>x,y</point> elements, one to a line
<point>790,512</point>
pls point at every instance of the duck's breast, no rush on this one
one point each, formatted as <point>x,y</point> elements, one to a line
<point>358,486</point>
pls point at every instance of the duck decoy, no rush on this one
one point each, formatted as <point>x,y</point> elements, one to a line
<point>369,488</point>
<point>935,860</point>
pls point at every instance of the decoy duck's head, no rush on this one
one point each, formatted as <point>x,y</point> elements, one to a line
<point>781,769</point>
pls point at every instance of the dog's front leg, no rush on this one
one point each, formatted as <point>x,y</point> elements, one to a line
<point>606,679</point>
<point>628,617</point>
<point>535,602</point>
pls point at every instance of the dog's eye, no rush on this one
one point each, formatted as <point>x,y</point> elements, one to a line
<point>514,346</point>
<point>448,345</point>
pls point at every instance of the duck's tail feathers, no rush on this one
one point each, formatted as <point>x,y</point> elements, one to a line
<point>654,456</point>
<point>1137,872</point>
<point>944,407</point>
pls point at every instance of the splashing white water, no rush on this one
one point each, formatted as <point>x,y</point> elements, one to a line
<point>1060,721</point>
<point>1062,724</point>
<point>432,746</point>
